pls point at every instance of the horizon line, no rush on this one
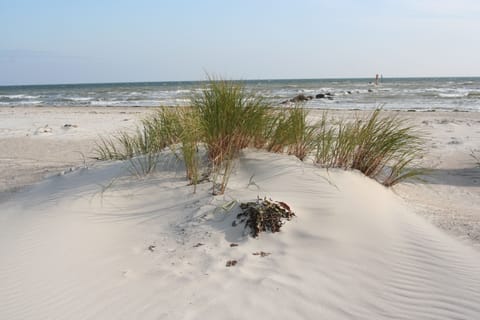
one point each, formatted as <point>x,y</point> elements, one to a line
<point>240,80</point>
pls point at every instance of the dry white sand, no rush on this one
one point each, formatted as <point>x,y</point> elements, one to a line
<point>98,243</point>
<point>449,196</point>
<point>38,142</point>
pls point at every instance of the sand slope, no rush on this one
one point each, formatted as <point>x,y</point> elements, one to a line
<point>100,244</point>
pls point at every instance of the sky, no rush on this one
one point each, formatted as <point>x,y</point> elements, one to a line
<point>92,41</point>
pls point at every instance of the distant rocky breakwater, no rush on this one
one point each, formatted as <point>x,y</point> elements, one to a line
<point>302,98</point>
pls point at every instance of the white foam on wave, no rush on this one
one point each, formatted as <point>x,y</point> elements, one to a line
<point>126,103</point>
<point>18,96</point>
<point>453,95</point>
<point>106,102</point>
<point>79,98</point>
<point>29,102</point>
<point>161,94</point>
<point>12,96</point>
<point>183,91</point>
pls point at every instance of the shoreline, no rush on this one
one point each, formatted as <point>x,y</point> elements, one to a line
<point>279,105</point>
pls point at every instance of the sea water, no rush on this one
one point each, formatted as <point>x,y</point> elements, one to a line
<point>391,93</point>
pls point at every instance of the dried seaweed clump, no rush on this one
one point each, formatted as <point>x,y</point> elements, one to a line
<point>264,215</point>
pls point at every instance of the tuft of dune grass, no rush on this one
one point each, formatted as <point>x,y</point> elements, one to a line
<point>226,118</point>
<point>382,147</point>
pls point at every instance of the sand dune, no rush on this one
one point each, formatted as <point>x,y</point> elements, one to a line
<point>100,244</point>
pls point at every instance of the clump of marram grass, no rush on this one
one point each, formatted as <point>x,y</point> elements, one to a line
<point>263,215</point>
<point>179,130</point>
<point>225,119</point>
<point>190,137</point>
<point>325,141</point>
<point>118,147</point>
<point>134,147</point>
<point>155,133</point>
<point>140,148</point>
<point>382,148</point>
<point>230,119</point>
<point>290,132</point>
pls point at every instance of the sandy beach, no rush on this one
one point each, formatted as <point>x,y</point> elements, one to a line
<point>84,239</point>
<point>172,160</point>
<point>39,142</point>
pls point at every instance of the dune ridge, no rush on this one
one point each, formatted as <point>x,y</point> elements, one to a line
<point>99,243</point>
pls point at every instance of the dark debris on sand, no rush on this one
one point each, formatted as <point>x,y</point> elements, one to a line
<point>262,254</point>
<point>231,263</point>
<point>264,215</point>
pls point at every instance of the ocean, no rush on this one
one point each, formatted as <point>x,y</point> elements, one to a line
<point>461,94</point>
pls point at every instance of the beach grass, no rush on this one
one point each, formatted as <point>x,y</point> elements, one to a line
<point>117,147</point>
<point>380,146</point>
<point>289,131</point>
<point>189,136</point>
<point>230,117</point>
<point>225,118</point>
